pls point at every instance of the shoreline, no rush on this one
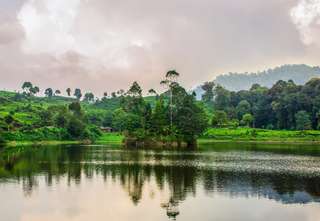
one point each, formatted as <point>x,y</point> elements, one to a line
<point>293,141</point>
<point>199,141</point>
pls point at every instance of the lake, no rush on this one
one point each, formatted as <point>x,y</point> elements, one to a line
<point>224,181</point>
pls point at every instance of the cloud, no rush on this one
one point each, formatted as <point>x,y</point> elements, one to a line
<point>306,16</point>
<point>48,25</point>
<point>104,45</point>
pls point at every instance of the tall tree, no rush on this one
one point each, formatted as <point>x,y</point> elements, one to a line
<point>170,82</point>
<point>208,88</point>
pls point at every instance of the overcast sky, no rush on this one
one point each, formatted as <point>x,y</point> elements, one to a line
<point>103,45</point>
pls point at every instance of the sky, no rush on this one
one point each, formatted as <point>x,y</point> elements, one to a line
<point>105,45</point>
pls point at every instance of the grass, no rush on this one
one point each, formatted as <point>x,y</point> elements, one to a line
<point>259,135</point>
<point>110,138</point>
<point>39,143</point>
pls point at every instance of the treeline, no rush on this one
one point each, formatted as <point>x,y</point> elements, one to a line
<point>29,90</point>
<point>283,106</point>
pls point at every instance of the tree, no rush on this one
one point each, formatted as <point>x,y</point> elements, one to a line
<point>303,121</point>
<point>48,92</point>
<point>135,90</point>
<point>219,119</point>
<point>208,88</point>
<point>247,120</point>
<point>76,127</point>
<point>75,108</point>
<point>191,121</point>
<point>68,91</point>
<point>57,92</point>
<point>152,92</point>
<point>170,82</point>
<point>26,86</point>
<point>172,75</point>
<point>242,108</point>
<point>89,97</point>
<point>159,118</point>
<point>119,119</point>
<point>113,94</point>
<point>34,90</point>
<point>29,89</point>
<point>77,93</point>
<point>222,98</point>
<point>105,94</point>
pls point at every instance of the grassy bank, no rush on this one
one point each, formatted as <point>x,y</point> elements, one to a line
<point>260,135</point>
<point>40,143</point>
<point>212,135</point>
<point>106,138</point>
<point>114,138</point>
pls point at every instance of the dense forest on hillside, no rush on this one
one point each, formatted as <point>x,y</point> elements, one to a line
<point>285,105</point>
<point>300,74</point>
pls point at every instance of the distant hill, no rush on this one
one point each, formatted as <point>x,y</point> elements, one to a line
<point>299,73</point>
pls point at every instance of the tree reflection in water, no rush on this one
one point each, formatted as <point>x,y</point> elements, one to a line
<point>179,171</point>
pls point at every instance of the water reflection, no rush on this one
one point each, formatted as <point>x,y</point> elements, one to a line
<point>288,178</point>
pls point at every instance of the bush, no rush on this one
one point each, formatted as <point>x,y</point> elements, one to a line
<point>92,133</point>
<point>76,128</point>
<point>39,134</point>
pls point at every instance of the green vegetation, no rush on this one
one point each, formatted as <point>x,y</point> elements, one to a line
<point>284,112</point>
<point>284,106</point>
<point>175,118</point>
<point>115,138</point>
<point>250,134</point>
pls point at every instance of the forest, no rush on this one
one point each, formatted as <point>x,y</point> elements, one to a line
<point>173,117</point>
<point>283,106</point>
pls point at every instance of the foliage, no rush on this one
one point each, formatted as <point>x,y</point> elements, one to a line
<point>276,107</point>
<point>48,92</point>
<point>29,89</point>
<point>208,88</point>
<point>219,119</point>
<point>302,121</point>
<point>180,120</point>
<point>77,93</point>
<point>247,120</point>
<point>247,134</point>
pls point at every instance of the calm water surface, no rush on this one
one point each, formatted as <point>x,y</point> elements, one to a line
<point>219,182</point>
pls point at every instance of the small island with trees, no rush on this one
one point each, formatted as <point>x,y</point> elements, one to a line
<point>285,112</point>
